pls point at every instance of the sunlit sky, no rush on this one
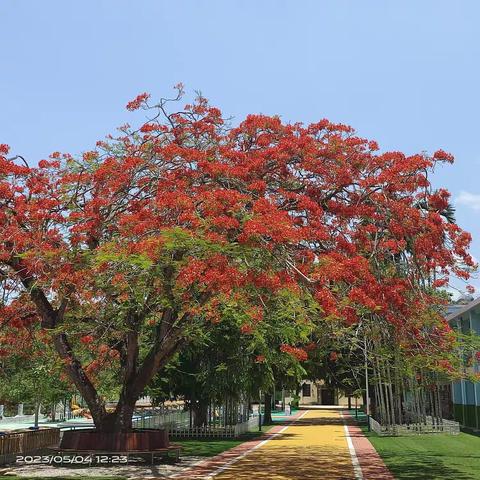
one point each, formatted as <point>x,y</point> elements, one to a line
<point>405,73</point>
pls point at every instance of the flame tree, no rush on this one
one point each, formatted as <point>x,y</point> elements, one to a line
<point>118,256</point>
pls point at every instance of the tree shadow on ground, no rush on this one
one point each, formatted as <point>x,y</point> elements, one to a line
<point>292,463</point>
<point>428,466</point>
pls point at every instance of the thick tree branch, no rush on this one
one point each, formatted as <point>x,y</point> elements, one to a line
<point>48,314</point>
<point>79,377</point>
<point>168,340</point>
<point>49,319</point>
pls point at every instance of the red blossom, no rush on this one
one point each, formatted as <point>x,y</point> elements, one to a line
<point>296,352</point>
<point>333,357</point>
<point>246,328</point>
<point>137,102</point>
<point>441,155</point>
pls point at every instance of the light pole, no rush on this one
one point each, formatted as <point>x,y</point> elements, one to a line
<point>367,392</point>
<point>260,411</point>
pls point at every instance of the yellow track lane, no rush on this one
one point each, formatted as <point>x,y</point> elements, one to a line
<point>314,447</point>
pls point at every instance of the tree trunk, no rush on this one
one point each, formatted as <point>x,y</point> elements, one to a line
<point>133,382</point>
<point>37,414</point>
<point>118,421</point>
<point>200,410</point>
<point>136,376</point>
<point>267,417</point>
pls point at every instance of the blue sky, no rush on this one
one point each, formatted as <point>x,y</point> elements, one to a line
<point>405,73</point>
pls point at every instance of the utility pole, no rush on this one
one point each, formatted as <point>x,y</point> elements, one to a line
<point>367,392</point>
<point>260,411</point>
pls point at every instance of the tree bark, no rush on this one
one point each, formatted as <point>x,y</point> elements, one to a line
<point>120,420</point>
<point>135,378</point>
<point>267,417</point>
<point>78,376</point>
<point>37,414</point>
<point>200,410</point>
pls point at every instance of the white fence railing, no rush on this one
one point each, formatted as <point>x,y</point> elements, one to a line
<point>19,419</point>
<point>171,419</point>
<point>247,426</point>
<point>210,431</point>
<point>428,426</point>
<point>178,425</point>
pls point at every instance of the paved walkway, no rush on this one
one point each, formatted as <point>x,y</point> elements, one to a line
<point>317,445</point>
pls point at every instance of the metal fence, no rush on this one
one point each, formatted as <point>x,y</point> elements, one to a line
<point>210,431</point>
<point>428,426</point>
<point>157,418</point>
<point>22,414</point>
<point>221,421</point>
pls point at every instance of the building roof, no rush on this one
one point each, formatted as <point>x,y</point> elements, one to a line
<point>454,313</point>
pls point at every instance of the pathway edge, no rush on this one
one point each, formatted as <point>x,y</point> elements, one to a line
<point>369,460</point>
<point>208,464</point>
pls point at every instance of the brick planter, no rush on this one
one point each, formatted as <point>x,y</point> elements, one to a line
<point>136,440</point>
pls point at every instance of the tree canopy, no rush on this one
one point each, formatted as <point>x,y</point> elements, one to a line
<point>118,256</point>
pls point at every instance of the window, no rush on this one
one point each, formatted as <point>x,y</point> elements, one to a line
<point>306,390</point>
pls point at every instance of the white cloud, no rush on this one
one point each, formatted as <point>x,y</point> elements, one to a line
<point>471,200</point>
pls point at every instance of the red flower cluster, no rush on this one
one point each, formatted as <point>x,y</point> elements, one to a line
<point>138,101</point>
<point>298,353</point>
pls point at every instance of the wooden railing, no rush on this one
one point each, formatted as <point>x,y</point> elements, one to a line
<point>24,442</point>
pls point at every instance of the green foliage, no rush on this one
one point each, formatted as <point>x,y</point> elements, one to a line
<point>222,362</point>
<point>210,447</point>
<point>36,379</point>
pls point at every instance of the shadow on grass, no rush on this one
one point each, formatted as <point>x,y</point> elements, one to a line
<point>209,447</point>
<point>429,466</point>
<point>429,457</point>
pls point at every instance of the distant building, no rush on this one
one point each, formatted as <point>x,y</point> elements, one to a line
<point>317,393</point>
<point>466,394</point>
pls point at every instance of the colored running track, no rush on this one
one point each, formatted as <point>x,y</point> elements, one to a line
<point>316,444</point>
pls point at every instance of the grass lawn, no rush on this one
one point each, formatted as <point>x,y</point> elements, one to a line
<point>208,447</point>
<point>430,457</point>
